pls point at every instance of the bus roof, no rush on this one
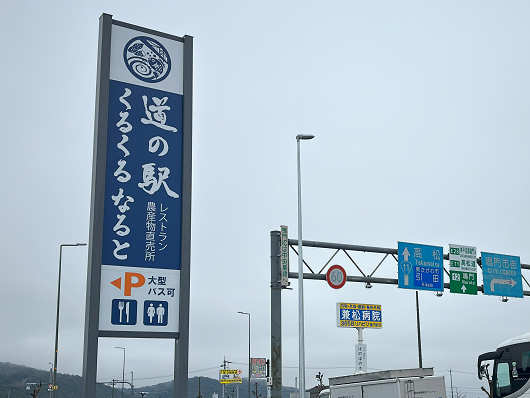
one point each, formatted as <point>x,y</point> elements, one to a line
<point>524,338</point>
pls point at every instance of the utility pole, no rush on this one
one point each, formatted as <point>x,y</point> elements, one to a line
<point>199,395</point>
<point>225,362</point>
<point>113,382</point>
<point>451,376</point>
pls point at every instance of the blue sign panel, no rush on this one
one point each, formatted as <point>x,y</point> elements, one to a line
<point>143,187</point>
<point>420,267</point>
<point>502,275</point>
<point>123,312</point>
<point>155,313</point>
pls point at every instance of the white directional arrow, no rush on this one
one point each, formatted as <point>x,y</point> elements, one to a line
<point>406,255</point>
<point>464,288</point>
<point>494,282</point>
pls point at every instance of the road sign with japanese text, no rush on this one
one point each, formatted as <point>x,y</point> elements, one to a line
<point>501,274</point>
<point>420,266</point>
<point>229,376</point>
<point>361,357</point>
<point>284,256</point>
<point>140,214</point>
<point>463,269</point>
<point>258,368</point>
<point>355,315</point>
<point>142,207</point>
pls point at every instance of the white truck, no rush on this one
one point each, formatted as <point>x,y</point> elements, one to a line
<point>398,383</point>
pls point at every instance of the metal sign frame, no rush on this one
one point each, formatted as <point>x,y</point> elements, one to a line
<point>92,332</point>
<point>367,278</point>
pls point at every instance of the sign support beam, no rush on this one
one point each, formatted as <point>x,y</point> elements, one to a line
<point>90,354</point>
<point>276,316</point>
<point>180,370</point>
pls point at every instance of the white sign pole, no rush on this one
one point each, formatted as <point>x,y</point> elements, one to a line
<point>361,354</point>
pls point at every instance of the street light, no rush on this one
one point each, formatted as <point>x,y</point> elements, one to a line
<point>246,313</point>
<point>123,370</point>
<point>301,349</point>
<point>54,380</point>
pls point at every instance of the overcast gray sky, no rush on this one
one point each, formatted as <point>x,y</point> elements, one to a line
<point>421,115</point>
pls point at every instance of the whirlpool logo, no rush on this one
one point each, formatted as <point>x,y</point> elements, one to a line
<point>147,59</point>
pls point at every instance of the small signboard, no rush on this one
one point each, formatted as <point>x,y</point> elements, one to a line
<point>229,376</point>
<point>361,357</point>
<point>336,276</point>
<point>463,269</point>
<point>420,267</point>
<point>258,368</point>
<point>284,256</point>
<point>353,315</point>
<point>502,275</point>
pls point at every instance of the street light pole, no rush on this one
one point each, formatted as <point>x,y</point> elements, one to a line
<point>246,313</point>
<point>54,379</point>
<point>123,370</point>
<point>301,345</point>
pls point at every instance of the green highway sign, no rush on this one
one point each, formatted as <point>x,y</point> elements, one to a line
<point>463,269</point>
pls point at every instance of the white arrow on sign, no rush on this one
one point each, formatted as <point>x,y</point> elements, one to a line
<point>406,255</point>
<point>463,289</point>
<point>494,282</point>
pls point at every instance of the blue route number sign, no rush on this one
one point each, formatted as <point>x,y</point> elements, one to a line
<point>420,267</point>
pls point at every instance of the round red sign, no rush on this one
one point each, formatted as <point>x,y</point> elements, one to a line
<point>336,276</point>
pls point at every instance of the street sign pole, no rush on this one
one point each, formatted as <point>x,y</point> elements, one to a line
<point>276,317</point>
<point>359,316</point>
<point>182,341</point>
<point>90,353</point>
<point>420,360</point>
<point>361,353</point>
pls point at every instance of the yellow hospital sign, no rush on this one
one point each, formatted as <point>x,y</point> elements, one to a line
<point>354,315</point>
<point>228,376</point>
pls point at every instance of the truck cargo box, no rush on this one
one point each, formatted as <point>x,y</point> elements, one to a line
<point>399,383</point>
